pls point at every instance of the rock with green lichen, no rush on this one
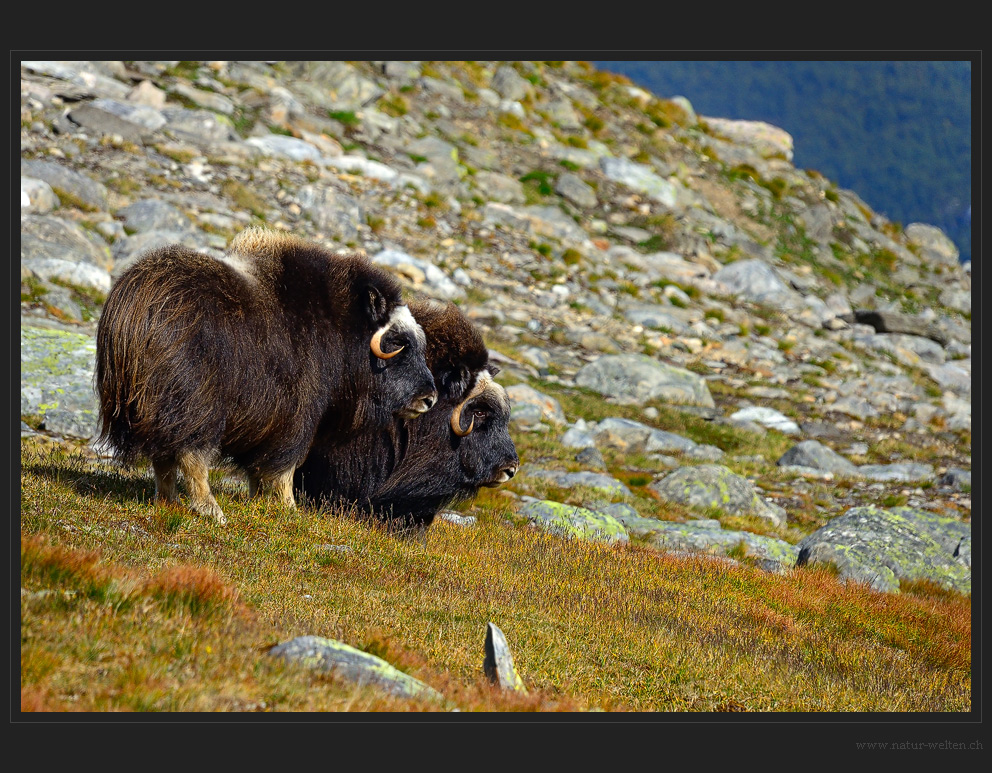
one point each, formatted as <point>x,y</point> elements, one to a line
<point>57,380</point>
<point>713,485</point>
<point>707,536</point>
<point>881,547</point>
<point>353,665</point>
<point>572,521</point>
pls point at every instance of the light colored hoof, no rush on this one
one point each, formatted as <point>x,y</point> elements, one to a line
<point>212,510</point>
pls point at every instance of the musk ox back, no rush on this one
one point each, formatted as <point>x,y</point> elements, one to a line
<point>244,357</point>
<point>439,457</point>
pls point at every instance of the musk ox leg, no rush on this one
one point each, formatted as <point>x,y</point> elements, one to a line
<point>165,479</point>
<point>282,487</point>
<point>280,484</point>
<point>195,469</point>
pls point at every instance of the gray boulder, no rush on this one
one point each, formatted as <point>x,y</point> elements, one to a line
<point>509,84</point>
<point>752,279</point>
<point>80,186</point>
<point>881,547</point>
<point>576,190</point>
<point>767,417</point>
<point>154,215</point>
<point>934,245</point>
<point>549,409</point>
<point>337,214</point>
<point>57,380</point>
<point>37,196</point>
<point>54,248</point>
<point>201,127</point>
<point>498,663</point>
<point>281,146</point>
<point>638,378</point>
<point>642,179</point>
<point>605,484</point>
<point>713,485</point>
<point>352,665</point>
<point>812,453</point>
<point>903,471</point>
<point>574,522</point>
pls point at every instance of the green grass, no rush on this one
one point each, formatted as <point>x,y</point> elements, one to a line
<point>132,606</point>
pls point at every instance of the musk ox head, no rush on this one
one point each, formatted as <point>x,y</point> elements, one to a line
<point>486,453</point>
<point>464,442</point>
<point>402,381</point>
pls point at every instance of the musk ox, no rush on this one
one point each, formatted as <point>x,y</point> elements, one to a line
<point>405,476</point>
<point>247,357</point>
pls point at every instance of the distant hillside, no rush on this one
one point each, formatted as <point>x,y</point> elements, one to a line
<point>896,133</point>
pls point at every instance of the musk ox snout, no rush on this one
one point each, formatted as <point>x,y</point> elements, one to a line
<point>504,475</point>
<point>420,404</point>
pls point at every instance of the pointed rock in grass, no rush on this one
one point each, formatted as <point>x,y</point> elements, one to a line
<point>498,664</point>
<point>353,665</point>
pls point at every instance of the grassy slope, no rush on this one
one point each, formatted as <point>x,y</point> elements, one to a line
<point>135,607</point>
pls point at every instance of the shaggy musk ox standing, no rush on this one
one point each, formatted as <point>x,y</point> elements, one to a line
<point>245,357</point>
<point>406,475</point>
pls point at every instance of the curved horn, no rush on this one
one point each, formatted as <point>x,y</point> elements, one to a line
<point>377,348</point>
<point>456,420</point>
<point>456,415</point>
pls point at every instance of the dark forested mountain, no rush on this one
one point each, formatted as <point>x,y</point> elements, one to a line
<point>898,133</point>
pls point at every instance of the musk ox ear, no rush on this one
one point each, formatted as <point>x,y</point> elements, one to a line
<point>378,307</point>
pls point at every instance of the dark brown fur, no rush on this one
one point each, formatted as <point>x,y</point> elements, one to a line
<point>406,476</point>
<point>199,358</point>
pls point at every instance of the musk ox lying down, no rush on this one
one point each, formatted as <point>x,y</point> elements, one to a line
<point>405,476</point>
<point>244,357</point>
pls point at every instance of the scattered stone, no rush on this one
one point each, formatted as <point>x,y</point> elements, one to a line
<point>153,215</point>
<point>352,665</point>
<point>457,518</point>
<point>711,485</point>
<point>576,190</point>
<point>57,380</point>
<point>591,458</point>
<point>753,280</point>
<point>549,408</point>
<point>934,245</point>
<point>770,141</point>
<point>435,282</point>
<point>767,417</point>
<point>592,480</point>
<point>578,436</point>
<point>37,197</point>
<point>955,477</point>
<point>812,453</point>
<point>904,471</point>
<point>639,378</point>
<point>498,663</point>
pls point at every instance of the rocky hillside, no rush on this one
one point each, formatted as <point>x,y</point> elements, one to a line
<point>706,347</point>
